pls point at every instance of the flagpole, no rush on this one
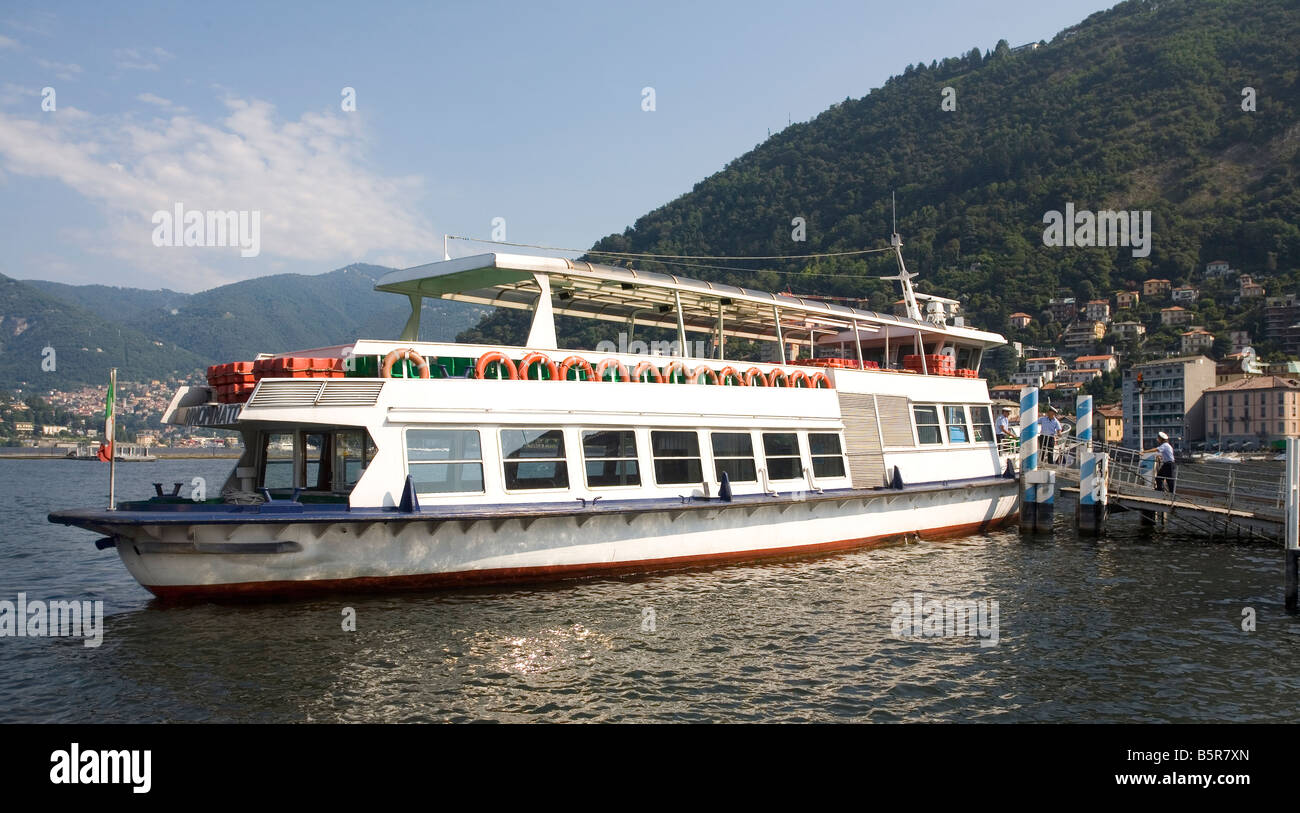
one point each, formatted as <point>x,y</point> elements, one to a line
<point>112,437</point>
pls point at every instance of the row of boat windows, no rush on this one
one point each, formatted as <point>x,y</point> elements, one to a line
<point>934,422</point>
<point>451,460</point>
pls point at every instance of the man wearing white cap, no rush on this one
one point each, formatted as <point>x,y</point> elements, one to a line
<point>1002,426</point>
<point>1165,455</point>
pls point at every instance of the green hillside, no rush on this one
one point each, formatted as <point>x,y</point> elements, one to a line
<point>85,345</point>
<point>237,321</point>
<point>1135,108</point>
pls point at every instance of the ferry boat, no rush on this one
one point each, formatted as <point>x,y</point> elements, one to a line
<point>123,452</point>
<point>413,464</point>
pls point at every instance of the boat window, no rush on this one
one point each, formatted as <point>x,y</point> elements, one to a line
<point>534,458</point>
<point>610,458</point>
<point>444,461</point>
<point>927,424</point>
<point>319,460</point>
<point>278,457</point>
<point>955,417</point>
<point>827,455</point>
<point>782,455</point>
<point>980,417</point>
<point>352,453</point>
<point>677,457</point>
<point>733,453</point>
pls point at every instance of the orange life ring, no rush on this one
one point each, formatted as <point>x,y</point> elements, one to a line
<point>820,378</point>
<point>480,367</point>
<point>646,367</point>
<point>620,370</point>
<point>754,377</point>
<point>703,370</point>
<point>780,375</point>
<point>729,374</point>
<point>796,377</point>
<point>579,362</point>
<point>672,368</point>
<point>408,354</point>
<point>538,358</point>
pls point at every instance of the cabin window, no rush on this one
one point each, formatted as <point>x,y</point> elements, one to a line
<point>444,461</point>
<point>955,417</point>
<point>980,418</point>
<point>781,450</point>
<point>827,454</point>
<point>927,424</point>
<point>278,458</point>
<point>610,458</point>
<point>677,457</point>
<point>733,454</point>
<point>534,458</point>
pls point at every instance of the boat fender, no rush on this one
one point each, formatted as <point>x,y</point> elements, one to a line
<point>480,366</point>
<point>410,503</point>
<point>579,362</point>
<point>620,370</point>
<point>897,483</point>
<point>709,374</point>
<point>538,358</point>
<point>724,488</point>
<point>106,542</point>
<point>674,368</point>
<point>407,353</point>
<point>1010,471</point>
<point>646,367</point>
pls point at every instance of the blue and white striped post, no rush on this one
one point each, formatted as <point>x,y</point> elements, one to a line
<point>1090,512</point>
<point>1037,486</point>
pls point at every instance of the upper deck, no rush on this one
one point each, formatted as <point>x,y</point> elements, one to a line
<point>689,307</point>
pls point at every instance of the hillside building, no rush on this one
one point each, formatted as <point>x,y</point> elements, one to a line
<point>1173,400</point>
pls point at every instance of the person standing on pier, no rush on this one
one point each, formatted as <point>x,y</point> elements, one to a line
<point>1048,428</point>
<point>1165,473</point>
<point>1002,426</point>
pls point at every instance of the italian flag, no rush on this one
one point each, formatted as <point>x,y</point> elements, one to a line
<point>106,448</point>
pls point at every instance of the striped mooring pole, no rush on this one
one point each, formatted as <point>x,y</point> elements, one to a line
<point>1292,486</point>
<point>1037,486</point>
<point>1090,511</point>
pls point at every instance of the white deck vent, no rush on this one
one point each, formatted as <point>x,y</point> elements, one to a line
<point>325,392</point>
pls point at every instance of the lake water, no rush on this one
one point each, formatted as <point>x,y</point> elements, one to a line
<point>1138,626</point>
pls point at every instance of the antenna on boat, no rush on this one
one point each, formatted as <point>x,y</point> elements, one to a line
<point>903,276</point>
<point>445,255</point>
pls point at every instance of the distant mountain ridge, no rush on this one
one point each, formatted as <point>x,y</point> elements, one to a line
<point>163,332</point>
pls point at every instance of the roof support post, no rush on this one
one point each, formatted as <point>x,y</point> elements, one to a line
<point>721,334</point>
<point>857,345</point>
<point>411,331</point>
<point>681,325</point>
<point>780,339</point>
<point>541,335</point>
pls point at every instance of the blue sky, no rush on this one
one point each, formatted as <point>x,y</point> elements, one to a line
<point>465,112</point>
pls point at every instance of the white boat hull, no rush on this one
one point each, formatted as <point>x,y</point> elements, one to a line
<point>198,560</point>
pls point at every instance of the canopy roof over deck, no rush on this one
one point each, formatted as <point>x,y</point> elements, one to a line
<point>550,285</point>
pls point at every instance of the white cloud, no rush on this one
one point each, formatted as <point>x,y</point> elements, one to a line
<point>5,42</point>
<point>61,70</point>
<point>166,104</point>
<point>136,59</point>
<point>320,201</point>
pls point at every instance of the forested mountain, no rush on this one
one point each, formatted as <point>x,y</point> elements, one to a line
<point>84,345</point>
<point>1135,108</point>
<point>268,314</point>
